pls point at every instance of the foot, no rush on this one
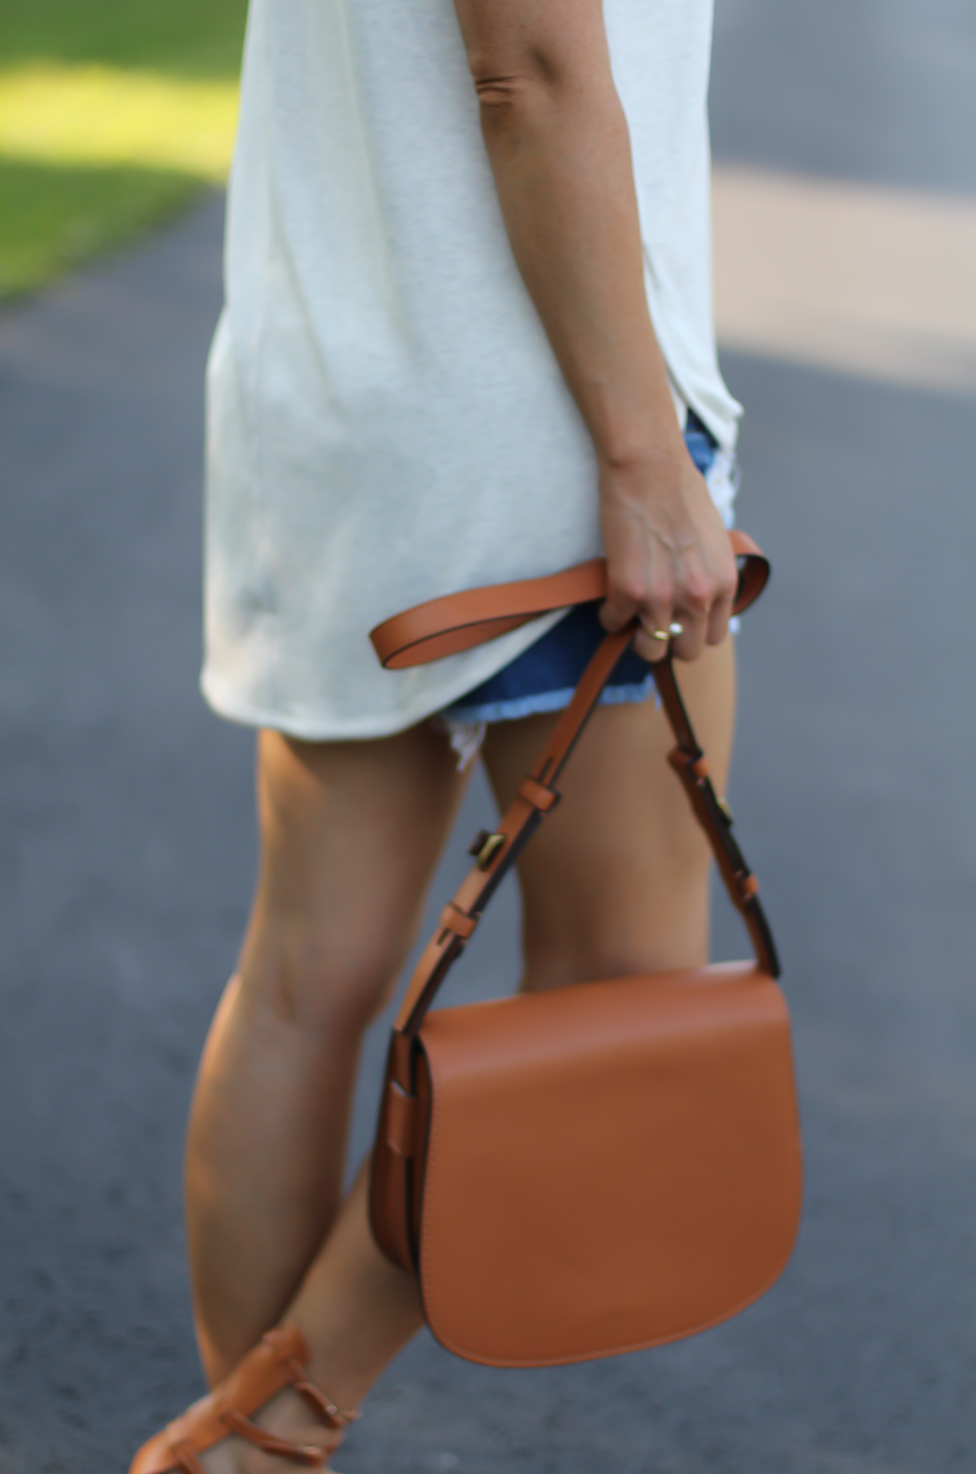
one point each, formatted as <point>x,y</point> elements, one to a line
<point>287,1416</point>
<point>265,1417</point>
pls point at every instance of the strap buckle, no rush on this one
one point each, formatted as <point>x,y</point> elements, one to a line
<point>485,846</point>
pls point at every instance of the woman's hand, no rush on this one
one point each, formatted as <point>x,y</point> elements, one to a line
<point>669,558</point>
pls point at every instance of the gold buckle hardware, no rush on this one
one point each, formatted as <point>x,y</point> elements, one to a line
<point>490,846</point>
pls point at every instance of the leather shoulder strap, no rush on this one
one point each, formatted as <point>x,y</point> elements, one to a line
<point>462,621</point>
<point>459,622</point>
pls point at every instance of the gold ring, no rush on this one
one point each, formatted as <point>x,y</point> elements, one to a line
<point>660,635</point>
<point>673,629</point>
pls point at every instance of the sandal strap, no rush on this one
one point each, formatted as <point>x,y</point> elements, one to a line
<point>277,1361</point>
<point>300,1453</point>
<point>187,1459</point>
<point>332,1416</point>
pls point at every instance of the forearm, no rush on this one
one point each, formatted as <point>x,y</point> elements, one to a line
<point>560,153</point>
<point>559,147</point>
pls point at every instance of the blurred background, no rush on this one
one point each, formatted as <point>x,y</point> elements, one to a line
<point>845,225</point>
<point>112,114</point>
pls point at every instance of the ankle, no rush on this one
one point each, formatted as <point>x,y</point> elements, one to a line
<point>341,1381</point>
<point>287,1416</point>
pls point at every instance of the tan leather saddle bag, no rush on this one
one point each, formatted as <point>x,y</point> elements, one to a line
<point>601,1167</point>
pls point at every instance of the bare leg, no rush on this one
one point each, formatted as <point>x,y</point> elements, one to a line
<point>616,881</point>
<point>350,834</point>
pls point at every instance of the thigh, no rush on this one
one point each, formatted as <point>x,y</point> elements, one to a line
<point>350,835</point>
<point>615,880</point>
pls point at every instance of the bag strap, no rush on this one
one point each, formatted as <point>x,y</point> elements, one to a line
<point>460,622</point>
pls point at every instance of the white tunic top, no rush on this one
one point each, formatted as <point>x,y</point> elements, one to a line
<point>386,419</point>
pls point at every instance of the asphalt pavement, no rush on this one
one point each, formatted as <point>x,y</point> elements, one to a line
<point>127,856</point>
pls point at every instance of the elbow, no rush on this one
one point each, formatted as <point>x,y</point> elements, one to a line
<point>507,79</point>
<point>500,91</point>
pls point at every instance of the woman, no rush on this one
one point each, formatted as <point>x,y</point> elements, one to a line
<point>467,340</point>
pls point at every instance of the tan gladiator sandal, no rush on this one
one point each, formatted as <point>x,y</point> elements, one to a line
<point>277,1362</point>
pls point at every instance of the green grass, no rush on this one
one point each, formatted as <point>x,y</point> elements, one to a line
<point>199,38</point>
<point>113,113</point>
<point>52,217</point>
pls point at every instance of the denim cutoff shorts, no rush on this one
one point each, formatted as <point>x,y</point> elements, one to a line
<point>544,677</point>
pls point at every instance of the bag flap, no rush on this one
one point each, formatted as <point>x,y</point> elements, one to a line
<point>536,1248</point>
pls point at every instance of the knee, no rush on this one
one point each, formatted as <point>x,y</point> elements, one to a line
<point>319,984</point>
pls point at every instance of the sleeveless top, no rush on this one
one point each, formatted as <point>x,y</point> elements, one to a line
<point>386,419</point>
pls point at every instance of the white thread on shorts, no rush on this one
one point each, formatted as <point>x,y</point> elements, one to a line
<point>466,738</point>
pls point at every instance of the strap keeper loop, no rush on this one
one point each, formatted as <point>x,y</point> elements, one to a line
<point>538,795</point>
<point>458,921</point>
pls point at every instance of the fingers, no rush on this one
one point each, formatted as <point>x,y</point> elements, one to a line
<point>698,592</point>
<point>690,643</point>
<point>693,614</point>
<point>718,620</point>
<point>622,603</point>
<point>632,597</point>
<point>669,561</point>
<point>657,626</point>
